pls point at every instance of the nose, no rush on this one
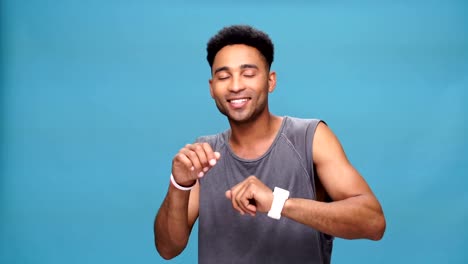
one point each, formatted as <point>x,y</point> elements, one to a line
<point>236,84</point>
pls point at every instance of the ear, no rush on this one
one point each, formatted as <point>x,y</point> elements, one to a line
<point>271,81</point>
<point>210,81</point>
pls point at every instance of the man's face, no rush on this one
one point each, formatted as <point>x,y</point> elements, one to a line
<point>241,82</point>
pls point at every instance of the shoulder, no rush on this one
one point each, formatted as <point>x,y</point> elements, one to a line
<point>294,126</point>
<point>297,122</point>
<point>326,145</point>
<point>300,132</point>
<point>214,139</point>
<point>324,133</point>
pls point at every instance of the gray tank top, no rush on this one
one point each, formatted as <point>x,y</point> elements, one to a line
<point>225,236</point>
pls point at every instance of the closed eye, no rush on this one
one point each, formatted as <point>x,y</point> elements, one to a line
<point>249,74</point>
<point>222,75</point>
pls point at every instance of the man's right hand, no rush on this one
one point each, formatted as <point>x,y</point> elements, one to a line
<point>192,162</point>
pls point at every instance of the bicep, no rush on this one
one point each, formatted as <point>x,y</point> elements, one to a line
<point>339,178</point>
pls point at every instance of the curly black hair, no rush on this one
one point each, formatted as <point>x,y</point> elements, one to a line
<point>240,34</point>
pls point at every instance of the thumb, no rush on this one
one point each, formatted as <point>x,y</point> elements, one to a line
<point>228,194</point>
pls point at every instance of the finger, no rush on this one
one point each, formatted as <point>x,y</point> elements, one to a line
<point>214,160</point>
<point>233,193</point>
<point>210,154</point>
<point>246,196</point>
<point>236,206</point>
<point>182,160</point>
<point>181,169</point>
<point>252,209</point>
<point>245,200</point>
<point>240,199</point>
<point>228,194</point>
<point>202,154</point>
<point>193,157</point>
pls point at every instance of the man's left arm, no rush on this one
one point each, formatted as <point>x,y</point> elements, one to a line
<point>354,211</point>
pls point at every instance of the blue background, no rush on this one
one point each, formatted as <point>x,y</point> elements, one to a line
<point>98,96</point>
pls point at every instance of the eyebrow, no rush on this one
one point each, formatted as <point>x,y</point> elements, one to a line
<point>224,68</point>
<point>243,66</point>
<point>248,66</point>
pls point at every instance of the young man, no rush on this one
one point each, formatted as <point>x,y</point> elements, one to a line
<point>270,189</point>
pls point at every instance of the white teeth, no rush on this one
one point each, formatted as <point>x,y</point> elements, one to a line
<point>238,101</point>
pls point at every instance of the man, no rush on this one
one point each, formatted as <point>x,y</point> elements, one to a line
<point>271,189</point>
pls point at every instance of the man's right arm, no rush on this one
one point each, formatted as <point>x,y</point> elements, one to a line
<point>179,209</point>
<point>175,220</point>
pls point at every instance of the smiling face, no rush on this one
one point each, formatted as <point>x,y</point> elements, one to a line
<point>240,83</point>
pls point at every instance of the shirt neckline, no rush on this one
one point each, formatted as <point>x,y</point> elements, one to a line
<point>227,133</point>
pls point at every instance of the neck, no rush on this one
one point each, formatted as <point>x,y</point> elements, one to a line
<point>252,139</point>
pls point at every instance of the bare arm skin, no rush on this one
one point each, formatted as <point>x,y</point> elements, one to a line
<point>179,210</point>
<point>354,213</point>
<point>175,220</point>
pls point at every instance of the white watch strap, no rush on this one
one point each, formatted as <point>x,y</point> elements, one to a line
<point>279,198</point>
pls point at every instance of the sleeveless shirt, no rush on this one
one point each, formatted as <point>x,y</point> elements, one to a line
<point>225,236</point>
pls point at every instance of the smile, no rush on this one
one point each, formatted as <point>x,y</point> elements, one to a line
<point>238,103</point>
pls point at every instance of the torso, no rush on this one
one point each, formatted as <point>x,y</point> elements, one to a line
<point>226,235</point>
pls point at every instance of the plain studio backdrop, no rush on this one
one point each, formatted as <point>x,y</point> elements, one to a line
<point>98,96</point>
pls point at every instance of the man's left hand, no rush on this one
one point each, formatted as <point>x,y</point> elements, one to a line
<point>250,196</point>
